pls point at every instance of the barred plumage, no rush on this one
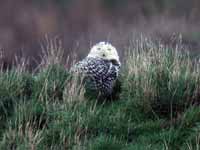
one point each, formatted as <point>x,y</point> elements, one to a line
<point>100,67</point>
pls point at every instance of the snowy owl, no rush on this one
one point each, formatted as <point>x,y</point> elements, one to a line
<point>101,67</point>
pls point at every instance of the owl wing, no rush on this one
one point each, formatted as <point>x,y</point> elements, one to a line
<point>101,74</point>
<point>91,67</point>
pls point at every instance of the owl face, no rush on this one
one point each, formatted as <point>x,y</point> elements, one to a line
<point>105,51</point>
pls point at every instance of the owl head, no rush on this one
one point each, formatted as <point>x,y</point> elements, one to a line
<point>106,51</point>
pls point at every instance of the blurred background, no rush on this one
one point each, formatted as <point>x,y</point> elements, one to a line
<point>81,23</point>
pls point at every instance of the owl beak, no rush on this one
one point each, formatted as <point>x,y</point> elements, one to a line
<point>115,62</point>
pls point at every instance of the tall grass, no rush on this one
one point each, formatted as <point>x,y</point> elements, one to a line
<point>162,79</point>
<point>158,106</point>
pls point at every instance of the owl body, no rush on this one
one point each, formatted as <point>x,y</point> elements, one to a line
<point>99,71</point>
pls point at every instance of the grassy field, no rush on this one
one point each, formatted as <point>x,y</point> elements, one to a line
<point>157,107</point>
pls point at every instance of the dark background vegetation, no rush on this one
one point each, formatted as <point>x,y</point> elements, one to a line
<point>81,23</point>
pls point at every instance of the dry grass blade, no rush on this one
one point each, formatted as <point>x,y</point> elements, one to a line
<point>21,64</point>
<point>74,90</point>
<point>52,52</point>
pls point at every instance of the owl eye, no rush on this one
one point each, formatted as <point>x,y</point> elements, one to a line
<point>109,49</point>
<point>98,48</point>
